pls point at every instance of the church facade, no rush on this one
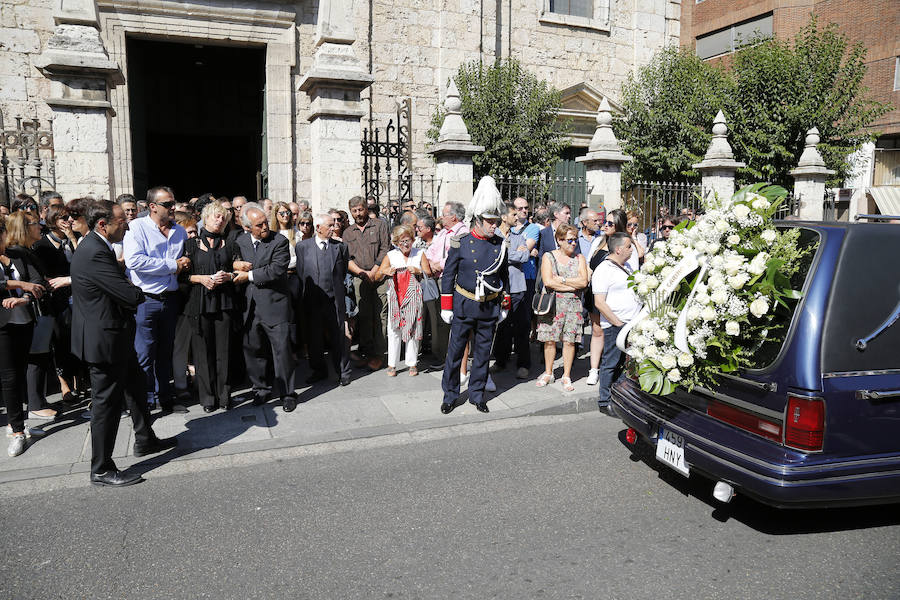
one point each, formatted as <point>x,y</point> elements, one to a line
<point>269,98</point>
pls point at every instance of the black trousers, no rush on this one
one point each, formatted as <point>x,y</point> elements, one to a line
<point>460,328</point>
<point>36,378</point>
<point>15,340</point>
<point>211,343</point>
<point>258,339</point>
<point>109,382</point>
<point>181,354</point>
<point>325,329</point>
<point>516,329</point>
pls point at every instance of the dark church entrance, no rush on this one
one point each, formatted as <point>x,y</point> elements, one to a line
<point>197,118</point>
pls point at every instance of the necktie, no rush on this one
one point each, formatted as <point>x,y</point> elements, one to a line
<point>256,245</point>
<point>322,246</point>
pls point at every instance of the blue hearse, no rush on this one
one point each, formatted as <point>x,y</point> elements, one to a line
<point>817,422</point>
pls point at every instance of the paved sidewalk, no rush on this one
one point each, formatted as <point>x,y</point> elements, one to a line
<point>372,405</point>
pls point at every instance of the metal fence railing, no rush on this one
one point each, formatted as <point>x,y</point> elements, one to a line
<point>654,200</point>
<point>544,188</point>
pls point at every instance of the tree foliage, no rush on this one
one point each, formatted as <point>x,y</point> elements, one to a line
<point>512,114</point>
<point>774,91</point>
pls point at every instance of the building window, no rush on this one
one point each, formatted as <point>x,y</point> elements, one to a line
<point>586,14</point>
<point>733,37</point>
<point>897,74</point>
<point>574,8</point>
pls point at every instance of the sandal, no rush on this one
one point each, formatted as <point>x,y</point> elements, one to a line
<point>545,380</point>
<point>567,384</point>
<point>413,371</point>
<point>391,372</point>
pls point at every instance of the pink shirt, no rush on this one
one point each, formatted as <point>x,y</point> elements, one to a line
<point>440,246</point>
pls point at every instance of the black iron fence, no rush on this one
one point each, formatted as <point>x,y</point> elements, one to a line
<point>396,193</point>
<point>27,161</point>
<point>654,200</point>
<point>542,189</point>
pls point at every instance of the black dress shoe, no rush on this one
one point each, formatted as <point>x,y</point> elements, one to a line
<point>345,381</point>
<point>447,408</point>
<point>316,377</point>
<point>209,409</point>
<point>156,446</point>
<point>482,407</point>
<point>228,405</point>
<point>289,403</point>
<point>259,400</point>
<point>168,409</point>
<point>115,478</point>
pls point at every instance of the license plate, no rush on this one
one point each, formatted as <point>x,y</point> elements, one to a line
<point>670,450</point>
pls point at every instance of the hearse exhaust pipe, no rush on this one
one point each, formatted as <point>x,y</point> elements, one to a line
<point>723,492</point>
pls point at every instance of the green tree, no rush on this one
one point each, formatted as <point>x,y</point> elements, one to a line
<point>510,112</point>
<point>773,92</point>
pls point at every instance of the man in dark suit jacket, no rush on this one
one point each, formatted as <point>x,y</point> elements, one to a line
<point>322,267</point>
<point>103,306</point>
<point>547,241</point>
<point>267,312</point>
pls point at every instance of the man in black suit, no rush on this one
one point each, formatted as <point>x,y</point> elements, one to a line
<point>322,268</point>
<point>103,306</point>
<point>267,311</point>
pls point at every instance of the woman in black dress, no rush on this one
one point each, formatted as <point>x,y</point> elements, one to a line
<point>54,251</point>
<point>210,306</point>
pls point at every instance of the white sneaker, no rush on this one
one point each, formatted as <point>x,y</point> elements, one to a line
<point>16,445</point>
<point>593,376</point>
<point>29,432</point>
<point>522,373</point>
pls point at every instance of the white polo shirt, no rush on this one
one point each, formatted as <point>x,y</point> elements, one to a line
<point>612,280</point>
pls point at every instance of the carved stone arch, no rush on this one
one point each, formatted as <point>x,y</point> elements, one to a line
<point>580,103</point>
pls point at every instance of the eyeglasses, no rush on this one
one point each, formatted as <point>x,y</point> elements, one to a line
<point>609,224</point>
<point>283,213</point>
<point>29,207</point>
<point>631,225</point>
<point>166,205</point>
<point>305,223</point>
<point>74,215</point>
<point>667,227</point>
<point>521,208</point>
<point>572,241</point>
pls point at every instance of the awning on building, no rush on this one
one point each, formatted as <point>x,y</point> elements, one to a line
<point>887,198</point>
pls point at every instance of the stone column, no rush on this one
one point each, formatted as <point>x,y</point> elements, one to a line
<point>718,166</point>
<point>80,72</point>
<point>809,180</point>
<point>603,163</point>
<point>334,84</point>
<point>453,154</point>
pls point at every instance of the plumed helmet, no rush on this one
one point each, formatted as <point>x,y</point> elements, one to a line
<point>486,201</point>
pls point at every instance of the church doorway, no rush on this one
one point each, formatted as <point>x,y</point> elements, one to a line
<point>197,118</point>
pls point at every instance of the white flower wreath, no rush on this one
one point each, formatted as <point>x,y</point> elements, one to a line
<point>710,291</point>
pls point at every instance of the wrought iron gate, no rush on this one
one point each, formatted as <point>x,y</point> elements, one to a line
<point>386,158</point>
<point>26,158</point>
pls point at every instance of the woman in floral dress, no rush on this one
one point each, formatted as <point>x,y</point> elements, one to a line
<point>565,273</point>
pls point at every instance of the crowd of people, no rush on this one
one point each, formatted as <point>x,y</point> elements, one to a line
<point>225,291</point>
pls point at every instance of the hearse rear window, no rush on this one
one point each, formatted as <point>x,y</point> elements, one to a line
<point>864,295</point>
<point>767,351</point>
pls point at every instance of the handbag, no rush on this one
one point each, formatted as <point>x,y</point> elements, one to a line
<point>430,289</point>
<point>544,302</point>
<point>43,331</point>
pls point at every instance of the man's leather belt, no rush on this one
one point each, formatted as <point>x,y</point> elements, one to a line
<point>467,294</point>
<point>160,297</point>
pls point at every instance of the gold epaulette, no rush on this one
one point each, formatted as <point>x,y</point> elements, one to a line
<point>454,240</point>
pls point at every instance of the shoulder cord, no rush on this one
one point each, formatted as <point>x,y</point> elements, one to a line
<point>481,284</point>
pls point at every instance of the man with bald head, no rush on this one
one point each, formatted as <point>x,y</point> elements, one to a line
<point>265,256</point>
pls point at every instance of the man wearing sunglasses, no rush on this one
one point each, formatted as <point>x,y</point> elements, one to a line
<point>153,251</point>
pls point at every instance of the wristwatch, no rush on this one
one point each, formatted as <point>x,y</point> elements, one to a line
<point>563,279</point>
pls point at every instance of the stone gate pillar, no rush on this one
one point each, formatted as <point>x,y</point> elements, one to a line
<point>334,84</point>
<point>453,154</point>
<point>809,180</point>
<point>718,166</point>
<point>80,72</point>
<point>603,163</point>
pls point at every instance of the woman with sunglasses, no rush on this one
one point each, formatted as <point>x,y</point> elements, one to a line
<point>566,274</point>
<point>77,209</point>
<point>54,250</point>
<point>638,238</point>
<point>305,225</point>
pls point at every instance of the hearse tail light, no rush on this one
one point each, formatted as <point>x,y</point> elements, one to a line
<point>804,423</point>
<point>744,420</point>
<point>631,435</point>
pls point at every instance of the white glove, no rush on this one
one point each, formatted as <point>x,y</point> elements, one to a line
<point>447,316</point>
<point>503,314</point>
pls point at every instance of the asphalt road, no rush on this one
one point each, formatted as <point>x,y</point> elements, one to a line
<point>553,507</point>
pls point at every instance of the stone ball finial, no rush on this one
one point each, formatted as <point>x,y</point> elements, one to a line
<point>812,137</point>
<point>452,103</point>
<point>604,113</point>
<point>719,126</point>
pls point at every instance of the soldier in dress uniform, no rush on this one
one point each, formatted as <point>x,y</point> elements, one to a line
<point>475,294</point>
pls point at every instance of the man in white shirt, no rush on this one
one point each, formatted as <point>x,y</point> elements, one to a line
<point>617,304</point>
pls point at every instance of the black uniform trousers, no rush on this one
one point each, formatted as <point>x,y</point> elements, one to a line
<point>113,384</point>
<point>211,342</point>
<point>460,328</point>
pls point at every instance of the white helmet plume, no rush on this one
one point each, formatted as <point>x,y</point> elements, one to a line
<point>486,201</point>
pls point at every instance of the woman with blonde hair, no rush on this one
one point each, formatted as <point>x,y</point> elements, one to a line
<point>404,266</point>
